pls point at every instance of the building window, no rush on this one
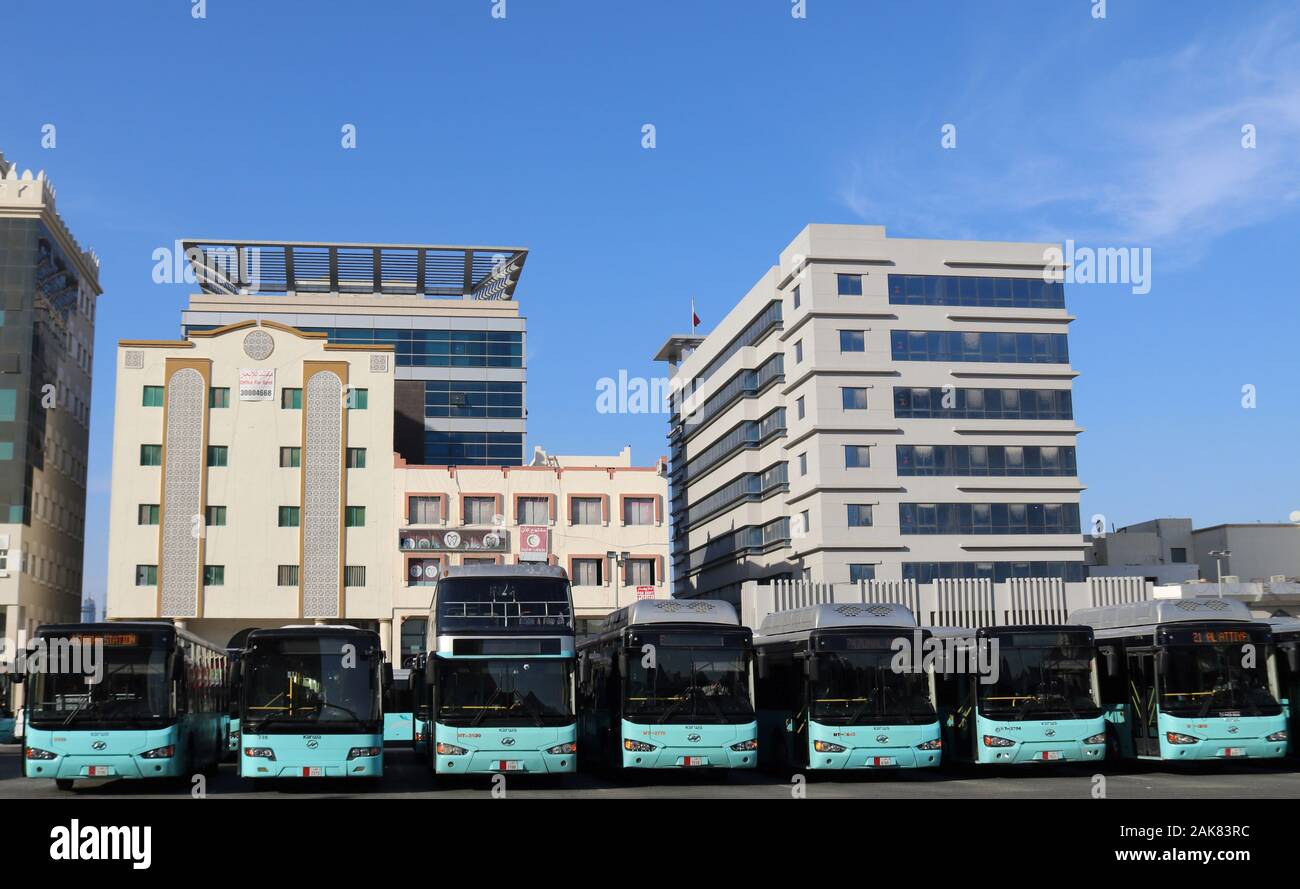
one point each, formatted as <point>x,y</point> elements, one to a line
<point>214,516</point>
<point>356,458</point>
<point>1178,554</point>
<point>861,571</point>
<point>588,572</point>
<point>358,399</point>
<point>848,285</point>
<point>413,636</point>
<point>153,396</point>
<point>639,572</point>
<point>859,515</point>
<point>354,575</point>
<point>798,351</point>
<point>853,341</point>
<point>853,398</point>
<point>354,517</point>
<point>291,457</point>
<point>795,295</point>
<point>218,455</point>
<point>638,511</point>
<point>286,575</point>
<point>151,455</point>
<point>219,397</point>
<point>146,575</point>
<point>799,407</point>
<point>988,518</point>
<point>986,460</point>
<point>291,399</point>
<point>478,560</point>
<point>422,572</point>
<point>148,514</point>
<point>972,345</point>
<point>424,510</point>
<point>533,511</point>
<point>480,510</point>
<point>805,519</point>
<point>952,290</point>
<point>803,463</point>
<point>214,575</point>
<point>290,516</point>
<point>585,511</point>
<point>857,456</point>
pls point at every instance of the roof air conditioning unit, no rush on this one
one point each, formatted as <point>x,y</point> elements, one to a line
<point>1230,578</point>
<point>1277,578</point>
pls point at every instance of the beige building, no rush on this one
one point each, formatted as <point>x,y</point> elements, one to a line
<point>252,479</point>
<point>308,513</point>
<point>878,408</point>
<point>49,288</point>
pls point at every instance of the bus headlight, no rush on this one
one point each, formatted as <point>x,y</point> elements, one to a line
<point>1276,736</point>
<point>37,753</point>
<point>568,747</point>
<point>260,753</point>
<point>751,744</point>
<point>827,747</point>
<point>1099,738</point>
<point>358,752</point>
<point>1176,738</point>
<point>936,744</point>
<point>995,741</point>
<point>637,746</point>
<point>445,749</point>
<point>160,752</point>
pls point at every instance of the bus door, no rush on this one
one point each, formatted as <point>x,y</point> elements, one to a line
<point>1142,724</point>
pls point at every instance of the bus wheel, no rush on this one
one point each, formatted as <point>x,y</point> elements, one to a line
<point>63,783</point>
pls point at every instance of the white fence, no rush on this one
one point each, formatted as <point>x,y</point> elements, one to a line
<point>950,603</point>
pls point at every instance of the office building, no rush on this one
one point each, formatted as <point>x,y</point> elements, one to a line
<point>49,287</point>
<point>878,408</point>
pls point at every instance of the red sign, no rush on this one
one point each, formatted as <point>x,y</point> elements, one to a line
<point>534,543</point>
<point>645,592</point>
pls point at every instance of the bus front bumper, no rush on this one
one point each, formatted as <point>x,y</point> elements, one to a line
<point>326,756</point>
<point>93,766</point>
<point>69,754</point>
<point>523,762</point>
<point>894,747</point>
<point>670,746</point>
<point>1045,751</point>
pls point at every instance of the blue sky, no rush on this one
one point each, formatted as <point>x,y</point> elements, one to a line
<point>1124,131</point>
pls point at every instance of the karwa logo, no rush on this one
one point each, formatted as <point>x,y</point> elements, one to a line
<point>102,843</point>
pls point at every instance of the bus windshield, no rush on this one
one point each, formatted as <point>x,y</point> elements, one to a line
<point>1209,680</point>
<point>692,680</point>
<point>505,691</point>
<point>857,685</point>
<point>1041,682</point>
<point>508,602</point>
<point>311,682</point>
<point>135,691</point>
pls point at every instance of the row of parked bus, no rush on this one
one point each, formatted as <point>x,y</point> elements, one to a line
<point>668,684</point>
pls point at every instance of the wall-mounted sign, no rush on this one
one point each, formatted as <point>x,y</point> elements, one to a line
<point>645,592</point>
<point>457,540</point>
<point>534,543</point>
<point>256,384</point>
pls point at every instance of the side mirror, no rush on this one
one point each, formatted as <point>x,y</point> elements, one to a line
<point>1292,657</point>
<point>1162,660</point>
<point>1111,657</point>
<point>584,668</point>
<point>388,675</point>
<point>760,663</point>
<point>811,667</point>
<point>622,662</point>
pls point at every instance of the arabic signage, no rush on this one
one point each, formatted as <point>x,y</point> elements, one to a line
<point>256,384</point>
<point>457,540</point>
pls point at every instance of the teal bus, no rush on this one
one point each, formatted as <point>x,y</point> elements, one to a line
<point>123,700</point>
<point>399,710</point>
<point>7,718</point>
<point>830,696</point>
<point>498,679</point>
<point>668,685</point>
<point>1286,635</point>
<point>1187,679</point>
<point>311,703</point>
<point>1019,694</point>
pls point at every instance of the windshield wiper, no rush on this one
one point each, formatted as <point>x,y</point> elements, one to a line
<point>90,695</point>
<point>351,713</point>
<point>689,694</point>
<point>496,692</point>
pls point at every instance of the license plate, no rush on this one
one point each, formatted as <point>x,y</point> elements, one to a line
<point>694,761</point>
<point>1234,751</point>
<point>510,765</point>
<point>883,761</point>
<point>97,771</point>
<point>313,771</point>
<point>1052,754</point>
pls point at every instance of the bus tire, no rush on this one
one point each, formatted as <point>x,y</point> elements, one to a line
<point>63,783</point>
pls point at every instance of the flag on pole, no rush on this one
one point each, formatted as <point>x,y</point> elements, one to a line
<point>695,319</point>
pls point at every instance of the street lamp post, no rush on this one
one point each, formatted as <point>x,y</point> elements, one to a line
<point>1219,555</point>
